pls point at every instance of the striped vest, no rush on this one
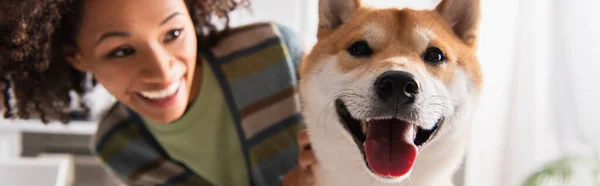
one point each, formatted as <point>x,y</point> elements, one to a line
<point>256,69</point>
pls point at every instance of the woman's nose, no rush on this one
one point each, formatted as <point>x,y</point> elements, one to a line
<point>157,66</point>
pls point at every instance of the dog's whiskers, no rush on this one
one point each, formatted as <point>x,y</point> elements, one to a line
<point>347,95</point>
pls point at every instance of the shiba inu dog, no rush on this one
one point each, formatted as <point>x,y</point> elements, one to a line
<point>388,94</point>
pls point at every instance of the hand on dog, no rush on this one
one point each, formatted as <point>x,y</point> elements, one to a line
<point>302,175</point>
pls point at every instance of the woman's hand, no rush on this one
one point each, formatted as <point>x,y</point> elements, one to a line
<point>302,175</point>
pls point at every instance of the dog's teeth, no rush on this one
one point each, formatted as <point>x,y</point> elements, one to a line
<point>415,130</point>
<point>368,119</point>
<point>363,126</point>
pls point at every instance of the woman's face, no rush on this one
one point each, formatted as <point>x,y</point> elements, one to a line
<point>141,51</point>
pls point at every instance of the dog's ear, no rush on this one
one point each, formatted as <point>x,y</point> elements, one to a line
<point>463,16</point>
<point>333,13</point>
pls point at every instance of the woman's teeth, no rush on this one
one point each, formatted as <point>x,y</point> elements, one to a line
<point>158,94</point>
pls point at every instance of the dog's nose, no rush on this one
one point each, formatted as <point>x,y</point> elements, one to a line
<point>397,86</point>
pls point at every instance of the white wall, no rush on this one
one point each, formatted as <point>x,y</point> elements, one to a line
<point>496,45</point>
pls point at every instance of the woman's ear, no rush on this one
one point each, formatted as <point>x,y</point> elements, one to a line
<point>74,59</point>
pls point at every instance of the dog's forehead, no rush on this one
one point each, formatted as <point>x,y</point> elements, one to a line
<point>405,34</point>
<point>407,25</point>
<point>401,21</point>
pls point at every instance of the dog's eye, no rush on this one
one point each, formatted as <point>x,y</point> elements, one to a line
<point>360,49</point>
<point>434,55</point>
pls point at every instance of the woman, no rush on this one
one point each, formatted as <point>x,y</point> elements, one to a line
<point>196,106</point>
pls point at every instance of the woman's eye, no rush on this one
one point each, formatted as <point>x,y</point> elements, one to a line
<point>122,52</point>
<point>173,34</point>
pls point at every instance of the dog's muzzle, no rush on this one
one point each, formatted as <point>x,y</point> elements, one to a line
<point>389,143</point>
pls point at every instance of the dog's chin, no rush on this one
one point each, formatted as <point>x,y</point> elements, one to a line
<point>389,145</point>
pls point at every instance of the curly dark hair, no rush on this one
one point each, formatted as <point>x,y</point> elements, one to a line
<point>35,78</point>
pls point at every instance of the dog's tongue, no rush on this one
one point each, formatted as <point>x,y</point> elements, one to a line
<point>389,147</point>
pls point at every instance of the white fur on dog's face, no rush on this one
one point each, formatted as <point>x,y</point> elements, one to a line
<point>335,147</point>
<point>448,91</point>
<point>327,83</point>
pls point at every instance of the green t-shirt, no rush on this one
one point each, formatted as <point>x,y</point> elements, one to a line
<point>205,138</point>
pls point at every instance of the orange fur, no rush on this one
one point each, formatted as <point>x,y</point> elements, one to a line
<point>341,88</point>
<point>399,26</point>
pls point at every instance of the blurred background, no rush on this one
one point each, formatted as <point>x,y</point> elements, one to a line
<point>538,115</point>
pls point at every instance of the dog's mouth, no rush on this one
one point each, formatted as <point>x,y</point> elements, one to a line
<point>389,145</point>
